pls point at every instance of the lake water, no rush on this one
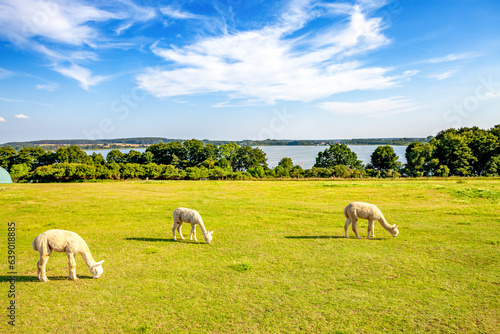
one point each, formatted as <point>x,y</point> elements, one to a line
<point>305,156</point>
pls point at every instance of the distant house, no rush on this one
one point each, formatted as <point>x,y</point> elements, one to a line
<point>5,176</point>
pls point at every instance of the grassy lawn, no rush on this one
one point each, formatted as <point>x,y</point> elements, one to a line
<point>278,262</point>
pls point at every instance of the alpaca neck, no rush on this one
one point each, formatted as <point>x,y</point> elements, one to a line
<point>385,224</point>
<point>87,257</point>
<point>202,228</point>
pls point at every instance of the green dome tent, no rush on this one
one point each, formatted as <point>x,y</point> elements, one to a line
<point>5,176</point>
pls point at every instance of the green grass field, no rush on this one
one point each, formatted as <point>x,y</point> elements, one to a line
<point>278,262</point>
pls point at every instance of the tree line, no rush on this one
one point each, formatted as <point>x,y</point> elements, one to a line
<point>453,152</point>
<point>89,144</point>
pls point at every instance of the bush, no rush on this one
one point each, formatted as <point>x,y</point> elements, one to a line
<point>257,171</point>
<point>341,171</point>
<point>19,172</point>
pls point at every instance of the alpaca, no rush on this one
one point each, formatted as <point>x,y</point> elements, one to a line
<point>356,210</point>
<point>184,215</point>
<point>68,242</point>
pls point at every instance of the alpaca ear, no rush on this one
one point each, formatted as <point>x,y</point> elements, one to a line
<point>212,232</point>
<point>99,263</point>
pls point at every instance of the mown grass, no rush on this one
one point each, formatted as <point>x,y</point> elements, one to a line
<point>278,262</point>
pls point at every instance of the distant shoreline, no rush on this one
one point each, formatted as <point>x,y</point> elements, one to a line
<point>131,143</point>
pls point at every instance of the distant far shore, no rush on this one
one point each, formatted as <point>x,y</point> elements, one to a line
<point>124,143</point>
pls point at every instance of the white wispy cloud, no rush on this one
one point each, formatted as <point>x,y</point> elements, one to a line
<point>68,31</point>
<point>492,95</point>
<point>178,14</point>
<point>22,116</point>
<point>25,101</point>
<point>5,73</point>
<point>59,21</point>
<point>82,75</point>
<point>2,120</point>
<point>269,64</point>
<point>49,87</point>
<point>444,75</point>
<point>376,108</point>
<point>452,57</point>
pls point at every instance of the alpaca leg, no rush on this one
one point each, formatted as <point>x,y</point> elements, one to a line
<point>179,229</point>
<point>346,227</point>
<point>40,268</point>
<point>355,227</point>
<point>371,228</point>
<point>193,233</point>
<point>174,228</point>
<point>72,266</point>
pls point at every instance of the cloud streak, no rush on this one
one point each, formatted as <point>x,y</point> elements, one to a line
<point>275,63</point>
<point>374,108</point>
<point>453,57</point>
<point>49,87</point>
<point>444,75</point>
<point>68,32</point>
<point>178,14</point>
<point>82,75</point>
<point>24,101</point>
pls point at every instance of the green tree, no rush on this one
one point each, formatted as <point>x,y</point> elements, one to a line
<point>453,151</point>
<point>279,171</point>
<point>228,151</point>
<point>493,166</point>
<point>257,171</point>
<point>133,157</point>
<point>418,158</point>
<point>116,156</point>
<point>247,157</point>
<point>98,159</point>
<point>319,172</point>
<point>384,158</point>
<point>483,144</point>
<point>297,171</point>
<point>147,157</point>
<point>32,157</point>
<point>338,154</point>
<point>164,152</point>
<point>341,171</point>
<point>225,164</point>
<point>211,151</point>
<point>287,165</point>
<point>61,155</point>
<point>77,155</point>
<point>19,172</point>
<point>7,155</point>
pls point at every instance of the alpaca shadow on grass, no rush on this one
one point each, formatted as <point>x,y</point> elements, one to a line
<point>166,240</point>
<point>26,278</point>
<point>328,237</point>
<point>151,239</point>
<point>314,237</point>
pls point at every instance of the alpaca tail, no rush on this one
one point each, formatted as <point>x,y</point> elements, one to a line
<point>345,212</point>
<point>40,243</point>
<point>34,244</point>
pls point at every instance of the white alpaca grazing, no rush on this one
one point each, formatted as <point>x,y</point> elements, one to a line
<point>68,242</point>
<point>356,210</point>
<point>184,215</point>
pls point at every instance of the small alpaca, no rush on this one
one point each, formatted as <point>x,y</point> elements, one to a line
<point>68,242</point>
<point>356,210</point>
<point>184,215</point>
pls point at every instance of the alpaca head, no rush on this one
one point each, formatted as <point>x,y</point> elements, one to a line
<point>208,237</point>
<point>96,269</point>
<point>395,230</point>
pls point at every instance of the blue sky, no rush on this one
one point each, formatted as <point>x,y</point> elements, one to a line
<point>235,69</point>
